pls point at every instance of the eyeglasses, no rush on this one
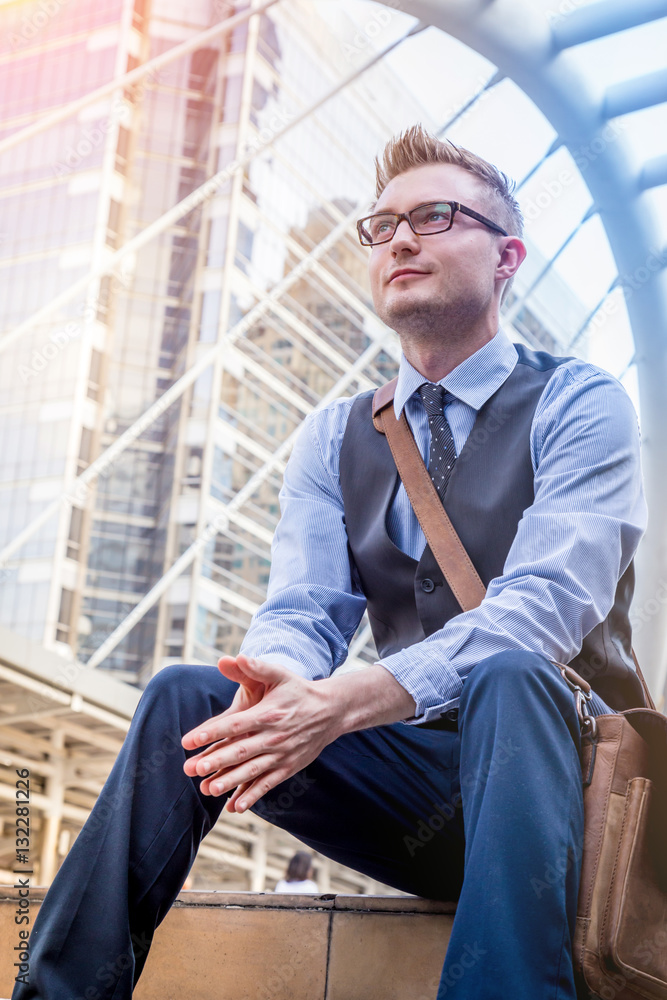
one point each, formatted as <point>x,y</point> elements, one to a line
<point>425,220</point>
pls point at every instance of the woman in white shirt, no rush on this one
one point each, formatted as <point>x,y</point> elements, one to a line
<point>298,875</point>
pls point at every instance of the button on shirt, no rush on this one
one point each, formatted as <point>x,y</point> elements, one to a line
<point>560,576</point>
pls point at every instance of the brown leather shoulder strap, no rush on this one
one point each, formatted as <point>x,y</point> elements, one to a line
<point>382,398</point>
<point>439,531</point>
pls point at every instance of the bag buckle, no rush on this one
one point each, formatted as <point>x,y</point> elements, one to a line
<point>587,721</point>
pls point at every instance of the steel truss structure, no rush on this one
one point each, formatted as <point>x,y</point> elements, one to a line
<point>68,732</point>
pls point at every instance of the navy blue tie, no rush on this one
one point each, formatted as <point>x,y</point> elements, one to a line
<point>442,453</point>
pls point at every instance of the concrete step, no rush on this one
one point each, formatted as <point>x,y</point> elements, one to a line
<point>265,946</point>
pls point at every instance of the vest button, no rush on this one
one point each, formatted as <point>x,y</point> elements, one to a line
<point>428,585</point>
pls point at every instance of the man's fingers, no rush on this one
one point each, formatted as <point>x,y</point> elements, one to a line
<point>236,795</point>
<point>201,736</point>
<point>253,791</point>
<point>230,723</point>
<point>225,754</point>
<point>256,770</point>
<point>190,765</point>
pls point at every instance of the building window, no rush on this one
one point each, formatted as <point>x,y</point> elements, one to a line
<point>244,242</point>
<point>210,315</point>
<point>94,376</point>
<point>65,615</point>
<point>122,149</point>
<point>104,298</point>
<point>85,450</point>
<point>217,241</point>
<point>113,224</point>
<point>74,538</point>
<point>232,100</point>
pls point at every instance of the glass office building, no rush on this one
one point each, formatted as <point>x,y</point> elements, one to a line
<point>83,374</point>
<point>79,378</point>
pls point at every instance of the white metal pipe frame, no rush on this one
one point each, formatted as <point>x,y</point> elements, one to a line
<point>531,49</point>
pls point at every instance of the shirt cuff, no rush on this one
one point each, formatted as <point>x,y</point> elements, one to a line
<point>431,680</point>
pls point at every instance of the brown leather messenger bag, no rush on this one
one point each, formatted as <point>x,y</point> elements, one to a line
<point>620,941</point>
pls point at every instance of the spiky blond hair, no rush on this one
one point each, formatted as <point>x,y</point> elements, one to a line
<point>416,147</point>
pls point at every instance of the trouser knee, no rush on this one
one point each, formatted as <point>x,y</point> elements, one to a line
<point>519,689</point>
<point>512,669</point>
<point>192,693</point>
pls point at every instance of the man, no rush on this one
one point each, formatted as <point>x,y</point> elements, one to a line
<point>538,462</point>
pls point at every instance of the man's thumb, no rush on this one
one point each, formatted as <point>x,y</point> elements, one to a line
<point>259,670</point>
<point>229,668</point>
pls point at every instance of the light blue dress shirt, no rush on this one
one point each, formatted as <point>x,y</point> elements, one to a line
<point>560,576</point>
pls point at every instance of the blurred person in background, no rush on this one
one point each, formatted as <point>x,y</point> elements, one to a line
<point>298,876</point>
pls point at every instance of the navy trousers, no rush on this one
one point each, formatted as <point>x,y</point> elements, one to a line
<point>490,814</point>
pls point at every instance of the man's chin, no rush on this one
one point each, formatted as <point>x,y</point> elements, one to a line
<point>406,315</point>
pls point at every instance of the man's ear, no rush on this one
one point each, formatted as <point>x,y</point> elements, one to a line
<point>511,257</point>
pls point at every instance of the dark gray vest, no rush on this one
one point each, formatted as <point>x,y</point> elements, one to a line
<point>490,488</point>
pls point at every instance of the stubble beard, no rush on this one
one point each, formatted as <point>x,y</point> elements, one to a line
<point>429,322</point>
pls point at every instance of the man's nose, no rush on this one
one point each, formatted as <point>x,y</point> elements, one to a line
<point>404,237</point>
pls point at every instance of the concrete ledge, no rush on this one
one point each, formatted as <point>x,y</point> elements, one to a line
<point>265,946</point>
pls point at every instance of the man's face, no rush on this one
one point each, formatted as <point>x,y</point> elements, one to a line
<point>444,281</point>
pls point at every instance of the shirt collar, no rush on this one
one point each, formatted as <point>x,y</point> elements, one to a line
<point>473,381</point>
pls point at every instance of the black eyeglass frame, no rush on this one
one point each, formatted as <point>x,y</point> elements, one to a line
<point>455,206</point>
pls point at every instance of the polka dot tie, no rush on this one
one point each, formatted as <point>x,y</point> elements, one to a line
<point>442,453</point>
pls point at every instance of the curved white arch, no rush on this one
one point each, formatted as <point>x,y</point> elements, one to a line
<point>520,40</point>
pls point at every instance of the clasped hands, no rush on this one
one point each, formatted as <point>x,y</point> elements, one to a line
<point>277,724</point>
